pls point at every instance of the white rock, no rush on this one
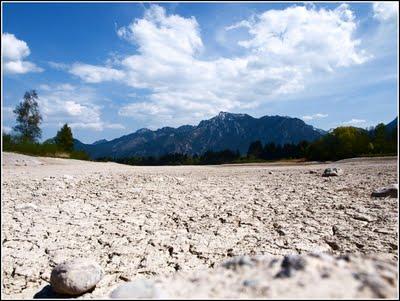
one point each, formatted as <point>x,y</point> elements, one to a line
<point>138,289</point>
<point>332,172</point>
<point>26,206</point>
<point>75,277</point>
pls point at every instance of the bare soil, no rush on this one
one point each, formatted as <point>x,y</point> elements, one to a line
<point>167,223</point>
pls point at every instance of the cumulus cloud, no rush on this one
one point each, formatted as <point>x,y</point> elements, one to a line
<point>6,129</point>
<point>314,116</point>
<point>283,49</point>
<point>97,126</point>
<point>143,108</point>
<point>95,74</point>
<point>7,112</point>
<point>167,38</point>
<point>65,103</point>
<point>385,11</point>
<point>58,66</point>
<point>305,37</point>
<point>14,52</point>
<point>354,121</point>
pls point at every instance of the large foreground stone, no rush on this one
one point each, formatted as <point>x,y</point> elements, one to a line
<point>75,277</point>
<point>138,289</point>
<point>391,191</point>
<point>313,276</point>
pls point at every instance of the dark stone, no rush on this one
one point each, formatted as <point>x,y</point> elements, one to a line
<point>388,191</point>
<point>48,293</point>
<point>333,244</point>
<point>289,264</point>
<point>332,172</point>
<point>295,262</point>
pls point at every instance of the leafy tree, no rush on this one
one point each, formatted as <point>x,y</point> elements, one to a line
<point>303,147</point>
<point>393,138</point>
<point>289,150</point>
<point>64,138</point>
<point>219,157</point>
<point>269,151</point>
<point>343,142</point>
<point>28,117</point>
<point>7,139</point>
<point>379,138</point>
<point>255,149</point>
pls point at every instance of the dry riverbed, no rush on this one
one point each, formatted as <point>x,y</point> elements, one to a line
<point>179,226</point>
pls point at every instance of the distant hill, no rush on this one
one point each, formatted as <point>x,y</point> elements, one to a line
<point>224,131</point>
<point>388,127</point>
<point>100,141</point>
<point>392,125</point>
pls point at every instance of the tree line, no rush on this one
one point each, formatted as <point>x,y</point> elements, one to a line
<point>348,142</point>
<point>341,143</point>
<point>208,157</point>
<point>27,133</point>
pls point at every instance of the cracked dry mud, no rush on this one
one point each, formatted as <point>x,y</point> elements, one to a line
<point>168,223</point>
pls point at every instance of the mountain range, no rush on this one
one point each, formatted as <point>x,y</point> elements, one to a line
<point>391,125</point>
<point>224,131</point>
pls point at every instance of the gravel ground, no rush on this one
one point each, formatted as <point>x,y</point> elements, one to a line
<point>168,223</point>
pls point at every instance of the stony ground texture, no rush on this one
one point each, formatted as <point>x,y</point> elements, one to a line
<point>263,276</point>
<point>162,222</point>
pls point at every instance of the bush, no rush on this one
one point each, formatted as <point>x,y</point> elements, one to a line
<point>22,146</point>
<point>79,155</point>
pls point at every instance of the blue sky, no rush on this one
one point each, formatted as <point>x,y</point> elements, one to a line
<point>109,69</point>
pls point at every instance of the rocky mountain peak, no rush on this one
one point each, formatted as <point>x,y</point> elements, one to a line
<point>225,131</point>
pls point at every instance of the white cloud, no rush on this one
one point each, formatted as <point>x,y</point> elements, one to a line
<point>95,74</point>
<point>306,37</point>
<point>65,87</point>
<point>44,87</point>
<point>97,126</point>
<point>385,11</point>
<point>166,38</point>
<point>132,95</point>
<point>354,121</point>
<point>115,126</point>
<point>58,66</point>
<point>6,129</point>
<point>284,48</point>
<point>20,67</point>
<point>143,108</point>
<point>14,49</point>
<point>65,103</point>
<point>14,52</point>
<point>8,112</point>
<point>314,116</point>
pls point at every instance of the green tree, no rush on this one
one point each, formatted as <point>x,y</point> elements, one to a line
<point>380,138</point>
<point>342,142</point>
<point>269,151</point>
<point>255,149</point>
<point>7,140</point>
<point>28,117</point>
<point>393,137</point>
<point>303,148</point>
<point>64,138</point>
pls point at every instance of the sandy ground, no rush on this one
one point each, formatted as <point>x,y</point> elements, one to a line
<point>167,223</point>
